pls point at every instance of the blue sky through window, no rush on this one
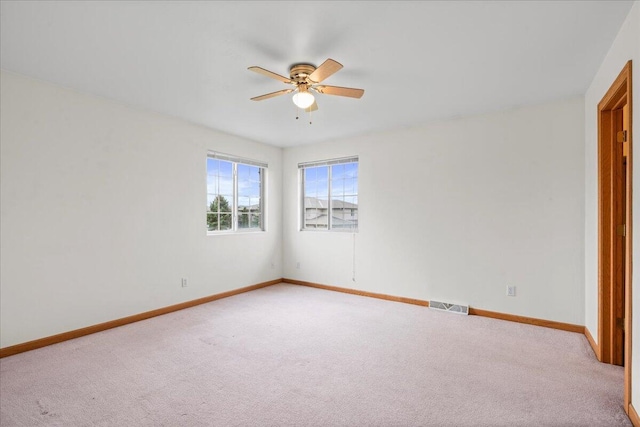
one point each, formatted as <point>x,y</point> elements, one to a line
<point>316,182</point>
<point>241,186</point>
<point>344,182</point>
<point>248,186</point>
<point>219,180</point>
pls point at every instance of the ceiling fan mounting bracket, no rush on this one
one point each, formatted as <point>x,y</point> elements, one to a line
<point>300,72</point>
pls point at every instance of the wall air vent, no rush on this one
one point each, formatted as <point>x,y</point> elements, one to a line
<point>451,308</point>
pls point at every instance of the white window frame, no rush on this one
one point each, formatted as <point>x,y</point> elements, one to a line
<point>235,161</point>
<point>301,180</point>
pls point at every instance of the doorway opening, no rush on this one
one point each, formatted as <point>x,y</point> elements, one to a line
<point>614,227</point>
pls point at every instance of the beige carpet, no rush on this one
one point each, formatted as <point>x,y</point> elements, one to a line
<point>290,355</point>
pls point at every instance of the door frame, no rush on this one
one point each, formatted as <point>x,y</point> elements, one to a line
<point>609,214</point>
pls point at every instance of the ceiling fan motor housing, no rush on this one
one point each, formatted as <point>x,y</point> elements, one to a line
<point>300,72</point>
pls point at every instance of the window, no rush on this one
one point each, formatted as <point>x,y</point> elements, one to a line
<point>235,194</point>
<point>330,194</point>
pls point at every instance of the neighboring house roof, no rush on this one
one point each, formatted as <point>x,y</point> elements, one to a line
<point>314,203</point>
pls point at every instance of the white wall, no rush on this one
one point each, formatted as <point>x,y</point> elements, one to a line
<point>103,212</point>
<point>625,47</point>
<point>457,211</point>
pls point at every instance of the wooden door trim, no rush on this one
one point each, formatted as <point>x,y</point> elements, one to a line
<point>618,94</point>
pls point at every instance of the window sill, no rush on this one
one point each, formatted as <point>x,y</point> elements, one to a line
<point>234,233</point>
<point>335,230</point>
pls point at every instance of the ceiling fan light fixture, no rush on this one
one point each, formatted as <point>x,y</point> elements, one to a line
<point>303,99</point>
<point>305,78</point>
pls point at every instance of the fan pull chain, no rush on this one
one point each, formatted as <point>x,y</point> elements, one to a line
<point>298,115</point>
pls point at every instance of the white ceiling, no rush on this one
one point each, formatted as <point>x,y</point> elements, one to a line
<point>417,61</point>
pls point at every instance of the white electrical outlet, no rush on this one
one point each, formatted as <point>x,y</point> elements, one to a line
<point>511,291</point>
<point>298,265</point>
<point>184,282</point>
<point>273,264</point>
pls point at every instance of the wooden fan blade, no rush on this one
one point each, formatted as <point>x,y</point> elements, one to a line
<point>327,68</point>
<point>340,91</point>
<point>272,94</point>
<point>271,74</point>
<point>313,107</point>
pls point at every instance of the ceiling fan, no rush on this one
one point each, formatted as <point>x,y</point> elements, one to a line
<point>306,78</point>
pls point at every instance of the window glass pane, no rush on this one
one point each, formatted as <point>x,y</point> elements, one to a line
<point>243,220</point>
<point>310,204</point>
<point>254,204</point>
<point>243,202</point>
<point>254,174</point>
<point>225,221</point>
<point>212,222</point>
<point>216,202</point>
<point>243,172</point>
<point>212,181</point>
<point>337,188</point>
<point>322,193</point>
<point>212,166</point>
<point>210,199</point>
<point>226,203</point>
<point>249,180</point>
<point>345,225</point>
<point>310,174</point>
<point>351,202</point>
<point>316,218</point>
<point>218,221</point>
<point>350,186</point>
<point>337,171</point>
<point>318,190</point>
<point>249,195</point>
<point>316,194</point>
<point>339,209</point>
<point>225,185</point>
<point>337,220</point>
<point>310,189</point>
<point>255,221</point>
<point>322,173</point>
<point>249,220</point>
<point>255,190</point>
<point>351,170</point>
<point>344,180</point>
<point>223,190</point>
<point>219,204</point>
<point>249,189</point>
<point>226,169</point>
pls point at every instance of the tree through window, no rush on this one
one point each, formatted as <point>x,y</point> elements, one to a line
<point>235,194</point>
